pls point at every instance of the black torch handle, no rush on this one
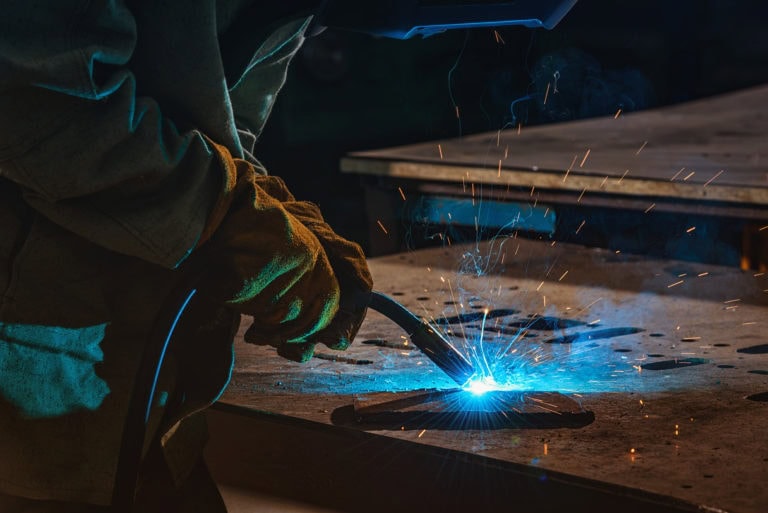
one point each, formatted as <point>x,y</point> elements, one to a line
<point>432,343</point>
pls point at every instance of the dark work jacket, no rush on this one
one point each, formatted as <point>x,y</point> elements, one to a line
<point>106,183</point>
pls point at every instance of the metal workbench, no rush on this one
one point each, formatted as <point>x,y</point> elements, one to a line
<point>705,158</point>
<point>643,386</point>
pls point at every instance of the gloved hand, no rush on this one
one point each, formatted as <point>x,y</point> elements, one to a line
<point>276,259</point>
<point>349,266</point>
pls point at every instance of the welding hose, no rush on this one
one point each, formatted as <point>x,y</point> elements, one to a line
<point>433,344</point>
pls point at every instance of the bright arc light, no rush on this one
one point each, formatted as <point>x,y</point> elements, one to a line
<point>482,384</point>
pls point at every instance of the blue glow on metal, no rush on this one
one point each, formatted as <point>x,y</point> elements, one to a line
<point>482,384</point>
<point>488,214</point>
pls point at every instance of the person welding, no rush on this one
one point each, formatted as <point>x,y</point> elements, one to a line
<point>127,130</point>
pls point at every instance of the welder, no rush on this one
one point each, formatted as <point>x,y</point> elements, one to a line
<point>126,137</point>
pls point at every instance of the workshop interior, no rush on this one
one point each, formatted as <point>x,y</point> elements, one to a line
<point>564,207</point>
<point>581,211</point>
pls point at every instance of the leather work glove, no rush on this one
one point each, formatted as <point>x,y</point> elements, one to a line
<point>349,266</point>
<point>276,260</point>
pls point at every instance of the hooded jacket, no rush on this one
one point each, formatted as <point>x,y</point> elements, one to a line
<point>107,180</point>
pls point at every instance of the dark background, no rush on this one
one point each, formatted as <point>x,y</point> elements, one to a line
<point>350,91</point>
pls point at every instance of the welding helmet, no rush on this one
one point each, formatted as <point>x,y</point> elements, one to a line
<point>403,19</point>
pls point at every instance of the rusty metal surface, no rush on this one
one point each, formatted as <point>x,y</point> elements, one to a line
<point>663,363</point>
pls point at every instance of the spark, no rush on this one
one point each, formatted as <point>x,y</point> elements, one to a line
<point>675,284</point>
<point>732,301</point>
<point>567,171</point>
<point>689,175</point>
<point>456,308</point>
<point>498,37</point>
<point>540,285</point>
<point>641,148</point>
<point>581,226</point>
<point>440,150</point>
<point>546,94</point>
<point>480,344</point>
<point>581,195</point>
<point>585,157</point>
<point>677,174</point>
<point>382,227</point>
<point>602,184</point>
<point>593,303</point>
<point>749,323</point>
<point>701,275</point>
<point>402,194</point>
<point>618,113</point>
<point>422,433</point>
<point>499,173</point>
<point>458,115</point>
<point>650,208</point>
<point>689,230</point>
<point>763,228</point>
<point>714,177</point>
<point>622,176</point>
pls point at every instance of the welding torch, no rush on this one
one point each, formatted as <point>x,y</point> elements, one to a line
<point>431,342</point>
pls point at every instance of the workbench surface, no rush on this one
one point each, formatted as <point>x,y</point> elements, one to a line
<point>711,150</point>
<point>650,374</point>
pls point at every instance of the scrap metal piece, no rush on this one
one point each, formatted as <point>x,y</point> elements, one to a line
<point>459,409</point>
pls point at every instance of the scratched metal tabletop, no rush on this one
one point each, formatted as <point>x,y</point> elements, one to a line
<point>662,364</point>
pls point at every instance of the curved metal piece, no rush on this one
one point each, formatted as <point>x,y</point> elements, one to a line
<point>433,344</point>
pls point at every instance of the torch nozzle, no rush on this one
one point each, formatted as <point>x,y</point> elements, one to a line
<point>431,342</point>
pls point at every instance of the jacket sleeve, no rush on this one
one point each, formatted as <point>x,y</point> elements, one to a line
<point>87,151</point>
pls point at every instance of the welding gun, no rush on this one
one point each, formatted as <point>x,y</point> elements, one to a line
<point>431,342</point>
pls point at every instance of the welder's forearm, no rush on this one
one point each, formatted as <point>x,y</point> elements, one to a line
<point>116,173</point>
<point>88,151</point>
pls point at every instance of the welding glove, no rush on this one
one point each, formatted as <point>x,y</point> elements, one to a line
<point>281,267</point>
<point>349,266</point>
